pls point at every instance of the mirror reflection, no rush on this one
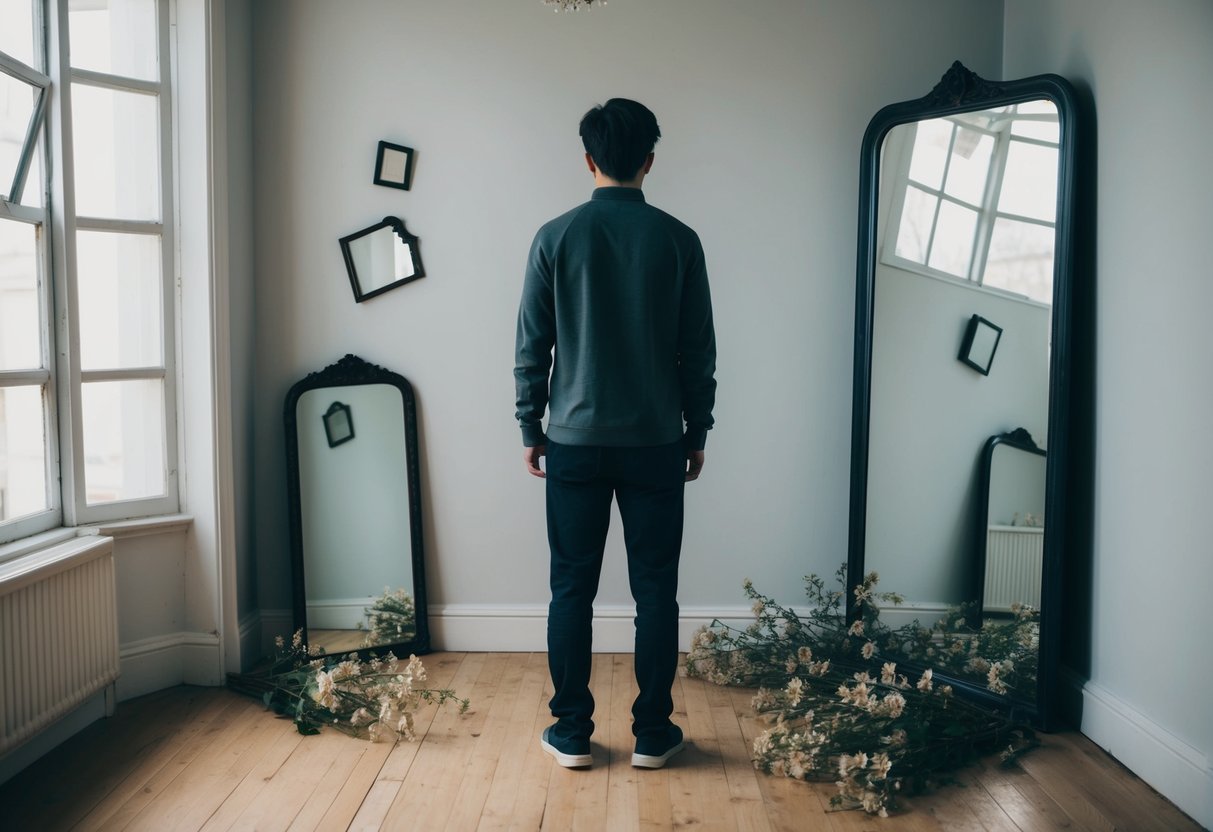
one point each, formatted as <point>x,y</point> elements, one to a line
<point>1014,473</point>
<point>966,213</point>
<point>380,258</point>
<point>353,478</point>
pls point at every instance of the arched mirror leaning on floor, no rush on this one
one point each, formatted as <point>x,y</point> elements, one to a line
<point>962,334</point>
<point>353,482</point>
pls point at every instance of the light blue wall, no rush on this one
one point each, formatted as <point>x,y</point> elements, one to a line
<point>1146,67</point>
<point>762,107</point>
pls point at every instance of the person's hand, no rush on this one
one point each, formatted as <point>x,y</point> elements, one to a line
<point>694,465</point>
<point>530,458</point>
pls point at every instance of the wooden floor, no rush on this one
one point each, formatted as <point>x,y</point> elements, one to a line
<point>206,758</point>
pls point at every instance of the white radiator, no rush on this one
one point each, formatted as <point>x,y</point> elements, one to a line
<point>1014,555</point>
<point>58,634</point>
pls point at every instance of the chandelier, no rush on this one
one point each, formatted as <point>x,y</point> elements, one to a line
<point>572,5</point>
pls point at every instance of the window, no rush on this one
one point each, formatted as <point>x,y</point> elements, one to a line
<point>979,199</point>
<point>87,416</point>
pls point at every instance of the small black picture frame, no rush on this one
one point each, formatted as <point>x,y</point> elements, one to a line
<point>979,344</point>
<point>394,166</point>
<point>338,424</point>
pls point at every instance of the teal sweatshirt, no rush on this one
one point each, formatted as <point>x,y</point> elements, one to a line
<point>617,289</point>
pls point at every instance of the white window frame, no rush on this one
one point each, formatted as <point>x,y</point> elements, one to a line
<point>11,210</point>
<point>62,359</point>
<point>987,211</point>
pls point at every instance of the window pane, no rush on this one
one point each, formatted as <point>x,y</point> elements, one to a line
<point>117,152</point>
<point>22,452</point>
<point>118,285</point>
<point>1029,185</point>
<point>114,36</point>
<point>970,165</point>
<point>1021,259</point>
<point>1046,128</point>
<point>930,152</point>
<point>17,100</point>
<point>20,316</point>
<point>123,439</point>
<point>952,248</point>
<point>17,33</point>
<point>917,218</point>
<point>35,186</point>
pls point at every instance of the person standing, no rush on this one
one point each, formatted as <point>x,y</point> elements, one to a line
<point>615,341</point>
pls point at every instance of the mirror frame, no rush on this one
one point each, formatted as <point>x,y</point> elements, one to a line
<point>350,371</point>
<point>961,90</point>
<point>1021,440</point>
<point>397,225</point>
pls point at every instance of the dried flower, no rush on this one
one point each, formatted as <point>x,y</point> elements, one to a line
<point>830,717</point>
<point>888,673</point>
<point>375,699</point>
<point>794,690</point>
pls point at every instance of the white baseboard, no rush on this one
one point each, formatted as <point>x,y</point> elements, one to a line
<point>338,613</point>
<point>523,628</point>
<point>1179,772</point>
<point>926,612</point>
<point>160,662</point>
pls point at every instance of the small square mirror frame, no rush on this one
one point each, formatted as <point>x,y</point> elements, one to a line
<point>980,343</point>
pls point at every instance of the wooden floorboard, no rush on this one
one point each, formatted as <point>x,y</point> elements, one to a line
<point>206,758</point>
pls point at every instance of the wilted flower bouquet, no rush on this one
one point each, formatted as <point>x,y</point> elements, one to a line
<point>374,699</point>
<point>392,618</point>
<point>840,709</point>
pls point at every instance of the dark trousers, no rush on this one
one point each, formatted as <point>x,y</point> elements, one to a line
<point>648,484</point>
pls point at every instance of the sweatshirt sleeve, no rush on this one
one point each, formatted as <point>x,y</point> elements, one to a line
<point>533,346</point>
<point>696,352</point>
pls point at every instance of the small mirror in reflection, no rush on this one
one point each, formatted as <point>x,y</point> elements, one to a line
<point>1015,524</point>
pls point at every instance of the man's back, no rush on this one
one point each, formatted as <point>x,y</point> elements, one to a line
<point>619,287</point>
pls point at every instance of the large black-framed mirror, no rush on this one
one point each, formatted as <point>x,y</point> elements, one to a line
<point>966,208</point>
<point>357,554</point>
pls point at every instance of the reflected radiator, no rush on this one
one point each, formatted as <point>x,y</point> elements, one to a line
<point>1014,555</point>
<point>58,634</point>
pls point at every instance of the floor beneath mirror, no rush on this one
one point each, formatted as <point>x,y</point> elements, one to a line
<point>193,758</point>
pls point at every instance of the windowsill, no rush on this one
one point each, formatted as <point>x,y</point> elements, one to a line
<point>164,524</point>
<point>35,543</point>
<point>907,267</point>
<point>137,528</point>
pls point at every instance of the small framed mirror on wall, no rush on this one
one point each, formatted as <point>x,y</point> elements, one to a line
<point>381,257</point>
<point>965,235</point>
<point>357,554</point>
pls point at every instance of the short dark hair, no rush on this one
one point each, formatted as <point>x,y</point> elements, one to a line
<point>619,136</point>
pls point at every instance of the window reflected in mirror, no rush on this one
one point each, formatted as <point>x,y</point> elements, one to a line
<point>974,197</point>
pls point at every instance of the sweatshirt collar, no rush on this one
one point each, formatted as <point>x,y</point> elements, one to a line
<point>619,192</point>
